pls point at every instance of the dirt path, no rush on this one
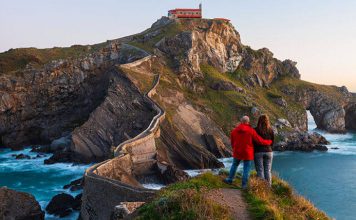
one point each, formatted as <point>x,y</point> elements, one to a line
<point>233,200</point>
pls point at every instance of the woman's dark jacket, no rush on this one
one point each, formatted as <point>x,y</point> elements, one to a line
<point>269,135</point>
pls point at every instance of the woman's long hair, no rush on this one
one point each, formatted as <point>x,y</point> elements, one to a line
<point>264,125</point>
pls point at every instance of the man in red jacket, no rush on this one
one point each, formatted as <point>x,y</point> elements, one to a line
<point>242,138</point>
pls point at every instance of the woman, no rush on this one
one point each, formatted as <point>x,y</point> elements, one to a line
<point>263,153</point>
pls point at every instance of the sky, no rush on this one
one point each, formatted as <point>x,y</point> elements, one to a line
<point>319,34</point>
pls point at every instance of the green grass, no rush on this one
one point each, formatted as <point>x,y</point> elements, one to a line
<point>228,106</point>
<point>168,31</point>
<point>279,202</point>
<point>186,200</point>
<point>16,59</point>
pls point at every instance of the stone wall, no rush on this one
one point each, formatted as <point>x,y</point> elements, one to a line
<point>111,182</point>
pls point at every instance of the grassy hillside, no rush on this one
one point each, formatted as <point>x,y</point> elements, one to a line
<point>15,59</point>
<point>188,200</point>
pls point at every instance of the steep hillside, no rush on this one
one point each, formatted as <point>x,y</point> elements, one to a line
<point>208,71</point>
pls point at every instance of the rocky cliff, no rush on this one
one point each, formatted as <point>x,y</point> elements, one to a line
<point>218,44</point>
<point>40,104</point>
<point>208,54</point>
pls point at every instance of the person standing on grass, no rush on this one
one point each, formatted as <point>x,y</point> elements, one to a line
<point>264,153</point>
<point>242,139</point>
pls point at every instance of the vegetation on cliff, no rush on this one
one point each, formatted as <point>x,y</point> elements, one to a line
<point>190,200</point>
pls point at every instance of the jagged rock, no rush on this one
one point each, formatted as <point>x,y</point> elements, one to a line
<point>19,205</point>
<point>205,42</point>
<point>61,205</point>
<point>75,185</point>
<point>216,146</point>
<point>22,156</point>
<point>161,22</point>
<point>301,141</point>
<point>260,74</point>
<point>170,174</point>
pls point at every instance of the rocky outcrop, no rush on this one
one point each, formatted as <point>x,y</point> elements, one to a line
<point>218,44</point>
<point>19,205</point>
<point>263,68</point>
<point>38,105</point>
<point>179,152</point>
<point>63,205</point>
<point>123,114</point>
<point>327,108</point>
<point>170,174</point>
<point>301,141</point>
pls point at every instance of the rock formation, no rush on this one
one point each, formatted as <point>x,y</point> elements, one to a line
<point>38,105</point>
<point>301,141</point>
<point>63,205</point>
<point>19,205</point>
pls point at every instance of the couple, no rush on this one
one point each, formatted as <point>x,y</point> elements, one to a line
<point>250,144</point>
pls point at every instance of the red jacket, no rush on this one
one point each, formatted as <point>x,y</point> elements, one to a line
<point>242,138</point>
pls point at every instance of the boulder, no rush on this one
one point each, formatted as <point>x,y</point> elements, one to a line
<point>75,185</point>
<point>62,205</point>
<point>22,157</point>
<point>60,143</point>
<point>19,205</point>
<point>170,174</point>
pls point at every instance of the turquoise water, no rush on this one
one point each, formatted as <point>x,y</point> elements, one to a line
<point>327,179</point>
<point>32,176</point>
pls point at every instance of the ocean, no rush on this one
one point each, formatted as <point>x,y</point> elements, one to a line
<point>326,178</point>
<point>32,176</point>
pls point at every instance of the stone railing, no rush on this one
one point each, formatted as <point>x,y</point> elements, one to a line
<point>111,182</point>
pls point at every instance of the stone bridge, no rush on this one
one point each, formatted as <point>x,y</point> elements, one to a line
<point>111,182</point>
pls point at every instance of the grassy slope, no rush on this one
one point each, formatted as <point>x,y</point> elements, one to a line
<point>16,59</point>
<point>185,200</point>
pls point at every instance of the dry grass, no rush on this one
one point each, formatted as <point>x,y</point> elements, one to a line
<point>187,200</point>
<point>279,202</point>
